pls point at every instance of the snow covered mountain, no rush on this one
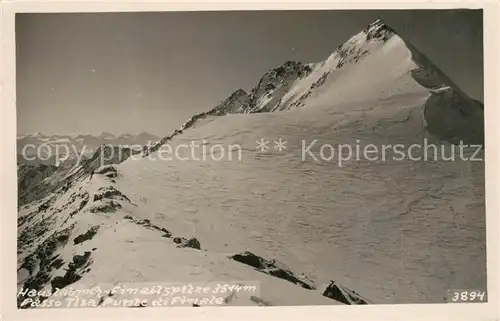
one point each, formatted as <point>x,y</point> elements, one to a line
<point>387,230</point>
<point>37,148</point>
<point>293,84</point>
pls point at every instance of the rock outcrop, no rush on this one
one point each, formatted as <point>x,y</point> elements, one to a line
<point>342,294</point>
<point>274,268</point>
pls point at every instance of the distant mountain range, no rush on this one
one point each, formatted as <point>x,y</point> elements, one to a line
<point>38,148</point>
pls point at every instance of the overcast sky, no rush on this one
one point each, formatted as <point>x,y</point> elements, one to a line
<point>134,72</point>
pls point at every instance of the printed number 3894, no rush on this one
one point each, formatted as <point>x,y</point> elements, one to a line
<point>467,296</point>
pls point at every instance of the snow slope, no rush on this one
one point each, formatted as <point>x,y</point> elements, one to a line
<point>93,226</point>
<point>395,231</point>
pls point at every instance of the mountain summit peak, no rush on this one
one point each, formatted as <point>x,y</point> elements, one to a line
<point>379,30</point>
<point>378,21</point>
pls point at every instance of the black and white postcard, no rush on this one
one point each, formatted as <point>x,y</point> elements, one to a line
<point>249,158</point>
